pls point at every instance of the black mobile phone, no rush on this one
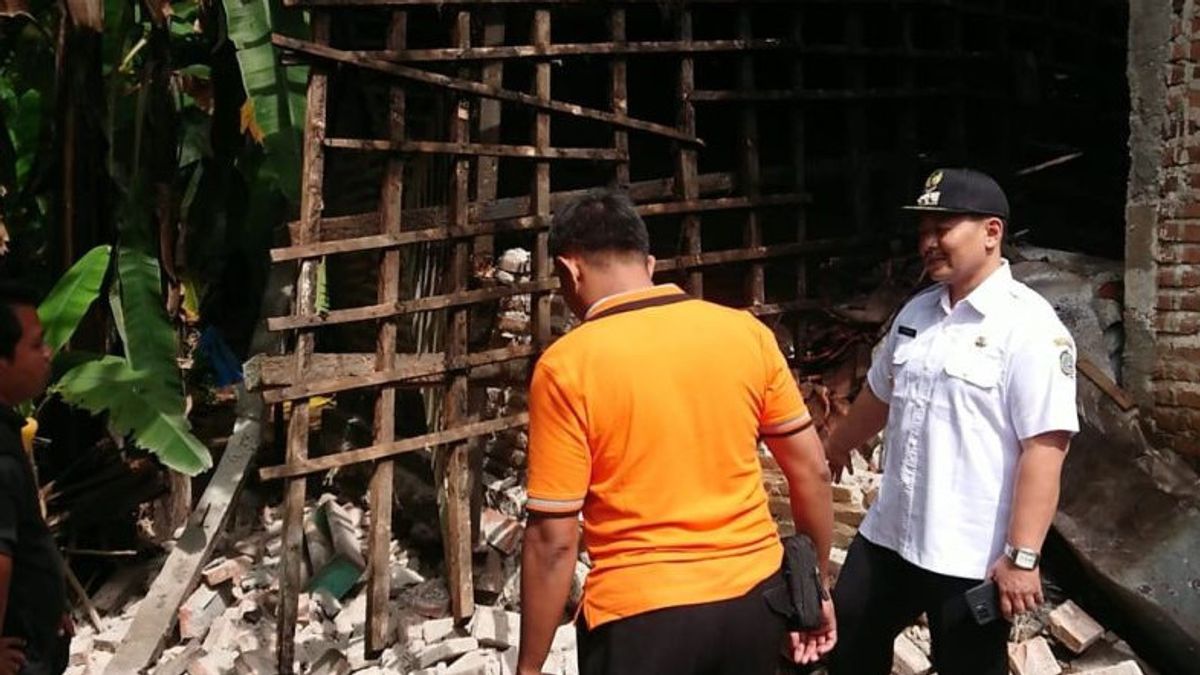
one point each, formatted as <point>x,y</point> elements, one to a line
<point>984,602</point>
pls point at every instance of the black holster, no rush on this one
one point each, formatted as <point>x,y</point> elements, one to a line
<point>804,590</point>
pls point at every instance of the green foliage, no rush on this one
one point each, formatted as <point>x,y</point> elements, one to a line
<point>275,93</point>
<point>150,340</point>
<point>69,300</point>
<point>132,398</point>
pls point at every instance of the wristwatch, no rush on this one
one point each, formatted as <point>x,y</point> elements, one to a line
<point>1022,558</point>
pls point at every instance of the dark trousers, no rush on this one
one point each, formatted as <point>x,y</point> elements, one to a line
<point>741,636</point>
<point>878,594</point>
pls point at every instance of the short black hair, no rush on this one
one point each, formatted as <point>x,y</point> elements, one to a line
<point>12,296</point>
<point>602,221</point>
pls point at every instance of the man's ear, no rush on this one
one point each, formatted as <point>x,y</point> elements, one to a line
<point>570,268</point>
<point>994,230</point>
<point>650,265</point>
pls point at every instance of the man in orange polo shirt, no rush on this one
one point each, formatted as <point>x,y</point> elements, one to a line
<point>646,418</point>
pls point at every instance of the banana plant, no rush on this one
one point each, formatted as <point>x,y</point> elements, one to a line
<point>140,391</point>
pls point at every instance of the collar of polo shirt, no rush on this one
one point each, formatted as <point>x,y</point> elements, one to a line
<point>987,295</point>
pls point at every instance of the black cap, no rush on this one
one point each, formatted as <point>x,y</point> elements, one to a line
<point>962,191</point>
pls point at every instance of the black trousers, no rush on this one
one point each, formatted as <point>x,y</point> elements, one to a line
<point>878,594</point>
<point>741,636</point>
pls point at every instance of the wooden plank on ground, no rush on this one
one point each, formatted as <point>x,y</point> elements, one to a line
<point>158,611</point>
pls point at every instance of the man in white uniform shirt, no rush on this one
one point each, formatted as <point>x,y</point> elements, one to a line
<point>975,383</point>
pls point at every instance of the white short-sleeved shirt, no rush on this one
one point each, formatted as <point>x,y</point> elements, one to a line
<point>965,385</point>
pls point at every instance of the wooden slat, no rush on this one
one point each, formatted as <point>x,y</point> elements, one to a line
<point>540,199</point>
<point>750,172</point>
<point>428,304</point>
<point>457,479</point>
<point>618,96</point>
<point>372,312</point>
<point>311,205</point>
<point>272,372</point>
<point>720,204</point>
<point>378,452</point>
<point>367,224</point>
<point>685,157</point>
<point>762,253</point>
<point>482,149</point>
<point>380,489</point>
<point>487,168</point>
<point>783,95</point>
<point>859,179</point>
<point>617,47</point>
<point>363,60</point>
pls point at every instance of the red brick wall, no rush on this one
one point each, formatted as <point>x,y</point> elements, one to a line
<point>1175,249</point>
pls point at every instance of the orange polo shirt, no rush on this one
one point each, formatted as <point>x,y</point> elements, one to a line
<point>647,418</point>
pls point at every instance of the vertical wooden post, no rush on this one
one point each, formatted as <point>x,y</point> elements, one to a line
<point>380,492</point>
<point>487,168</point>
<point>799,168</point>
<point>619,94</point>
<point>457,478</point>
<point>750,175</point>
<point>686,185</point>
<point>311,206</point>
<point>540,201</point>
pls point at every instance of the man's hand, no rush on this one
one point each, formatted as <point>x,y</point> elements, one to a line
<point>840,459</point>
<point>12,655</point>
<point>66,627</point>
<point>1020,590</point>
<point>809,646</point>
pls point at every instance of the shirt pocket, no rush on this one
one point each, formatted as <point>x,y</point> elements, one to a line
<point>903,367</point>
<point>979,367</point>
<point>971,384</point>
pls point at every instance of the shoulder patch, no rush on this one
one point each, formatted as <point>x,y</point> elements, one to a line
<point>1066,360</point>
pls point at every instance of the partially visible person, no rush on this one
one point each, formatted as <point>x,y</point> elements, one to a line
<point>975,383</point>
<point>36,628</point>
<point>646,419</point>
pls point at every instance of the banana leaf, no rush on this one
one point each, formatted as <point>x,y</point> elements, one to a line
<point>66,304</point>
<point>275,94</point>
<point>149,337</point>
<point>135,407</point>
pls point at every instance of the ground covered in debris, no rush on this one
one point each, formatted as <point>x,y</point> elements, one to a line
<point>227,625</point>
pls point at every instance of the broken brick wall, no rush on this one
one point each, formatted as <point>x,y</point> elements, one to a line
<point>1162,287</point>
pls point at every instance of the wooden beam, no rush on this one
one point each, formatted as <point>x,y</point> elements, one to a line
<point>751,175</point>
<point>618,93</point>
<point>158,611</point>
<point>615,48</point>
<point>365,224</point>
<point>435,302</point>
<point>783,95</point>
<point>687,262</point>
<point>374,453</point>
<point>380,489</point>
<point>271,372</point>
<point>481,149</point>
<point>363,60</point>
<point>455,478</point>
<point>799,166</point>
<point>334,385</point>
<point>487,169</point>
<point>685,157</point>
<point>311,206</point>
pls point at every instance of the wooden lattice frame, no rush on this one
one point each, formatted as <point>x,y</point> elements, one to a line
<point>468,227</point>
